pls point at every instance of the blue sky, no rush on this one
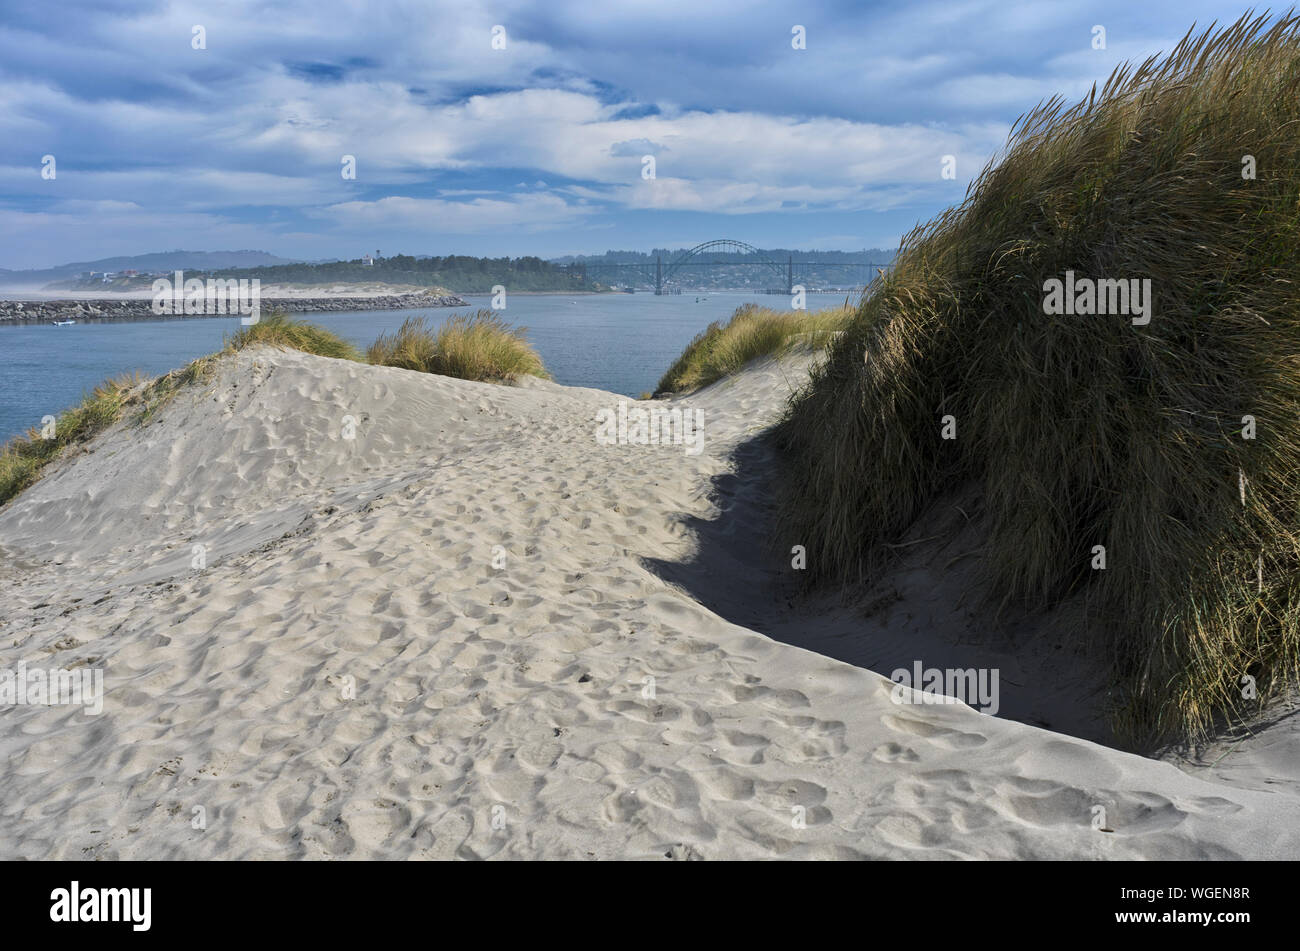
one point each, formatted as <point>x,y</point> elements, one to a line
<point>536,148</point>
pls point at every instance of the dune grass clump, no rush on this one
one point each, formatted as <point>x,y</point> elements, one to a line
<point>1174,445</point>
<point>129,396</point>
<point>126,397</point>
<point>279,330</point>
<point>753,331</point>
<point>23,457</point>
<point>480,346</point>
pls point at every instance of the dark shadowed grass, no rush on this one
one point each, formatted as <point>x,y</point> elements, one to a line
<point>479,346</point>
<point>753,331</point>
<point>1089,431</point>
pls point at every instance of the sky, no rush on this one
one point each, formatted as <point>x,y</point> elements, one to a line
<point>523,128</point>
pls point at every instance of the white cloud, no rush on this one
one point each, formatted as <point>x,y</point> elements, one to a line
<point>435,215</point>
<point>741,123</point>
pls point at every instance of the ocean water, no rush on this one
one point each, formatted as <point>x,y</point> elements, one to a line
<point>622,343</point>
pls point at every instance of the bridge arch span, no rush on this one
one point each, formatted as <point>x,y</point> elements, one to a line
<point>724,246</point>
<point>658,273</point>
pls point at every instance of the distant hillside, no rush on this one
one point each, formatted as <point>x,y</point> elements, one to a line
<point>814,269</point>
<point>772,254</point>
<point>463,275</point>
<point>158,261</point>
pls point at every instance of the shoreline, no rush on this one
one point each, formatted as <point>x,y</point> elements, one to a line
<point>106,311</point>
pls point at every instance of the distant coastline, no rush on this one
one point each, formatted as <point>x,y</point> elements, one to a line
<point>26,313</point>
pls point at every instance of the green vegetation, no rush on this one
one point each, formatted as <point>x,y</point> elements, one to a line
<point>1088,430</point>
<point>280,330</point>
<point>478,346</point>
<point>464,275</point>
<point>741,269</point>
<point>23,458</point>
<point>753,331</point>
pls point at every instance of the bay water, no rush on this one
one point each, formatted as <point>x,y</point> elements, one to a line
<point>622,343</point>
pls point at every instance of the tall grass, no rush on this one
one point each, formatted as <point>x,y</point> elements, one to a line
<point>1088,430</point>
<point>753,331</point>
<point>280,330</point>
<point>479,346</point>
<point>23,457</point>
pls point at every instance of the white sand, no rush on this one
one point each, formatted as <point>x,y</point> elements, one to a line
<point>518,694</point>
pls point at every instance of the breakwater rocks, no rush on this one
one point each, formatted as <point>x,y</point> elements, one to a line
<point>29,312</point>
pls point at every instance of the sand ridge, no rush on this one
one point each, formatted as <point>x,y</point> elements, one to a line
<point>457,634</point>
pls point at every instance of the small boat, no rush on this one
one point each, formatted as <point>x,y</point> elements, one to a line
<point>64,323</point>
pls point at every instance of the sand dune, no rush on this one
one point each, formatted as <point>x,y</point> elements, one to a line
<point>472,631</point>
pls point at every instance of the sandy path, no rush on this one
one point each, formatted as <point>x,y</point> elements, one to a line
<point>433,640</point>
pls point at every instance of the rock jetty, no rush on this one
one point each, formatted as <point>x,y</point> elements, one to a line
<point>28,312</point>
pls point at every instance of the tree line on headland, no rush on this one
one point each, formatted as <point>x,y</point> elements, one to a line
<point>463,274</point>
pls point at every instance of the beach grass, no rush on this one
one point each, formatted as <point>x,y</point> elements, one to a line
<point>474,347</point>
<point>128,396</point>
<point>752,332</point>
<point>23,457</point>
<point>1174,445</point>
<point>481,346</point>
<point>279,330</point>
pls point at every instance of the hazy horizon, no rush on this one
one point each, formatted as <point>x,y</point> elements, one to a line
<point>63,265</point>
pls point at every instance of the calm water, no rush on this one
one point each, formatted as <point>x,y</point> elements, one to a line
<point>617,342</point>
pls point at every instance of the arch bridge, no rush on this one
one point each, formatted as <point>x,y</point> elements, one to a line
<point>719,253</point>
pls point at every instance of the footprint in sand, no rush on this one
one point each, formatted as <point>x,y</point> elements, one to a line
<point>939,735</point>
<point>894,753</point>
